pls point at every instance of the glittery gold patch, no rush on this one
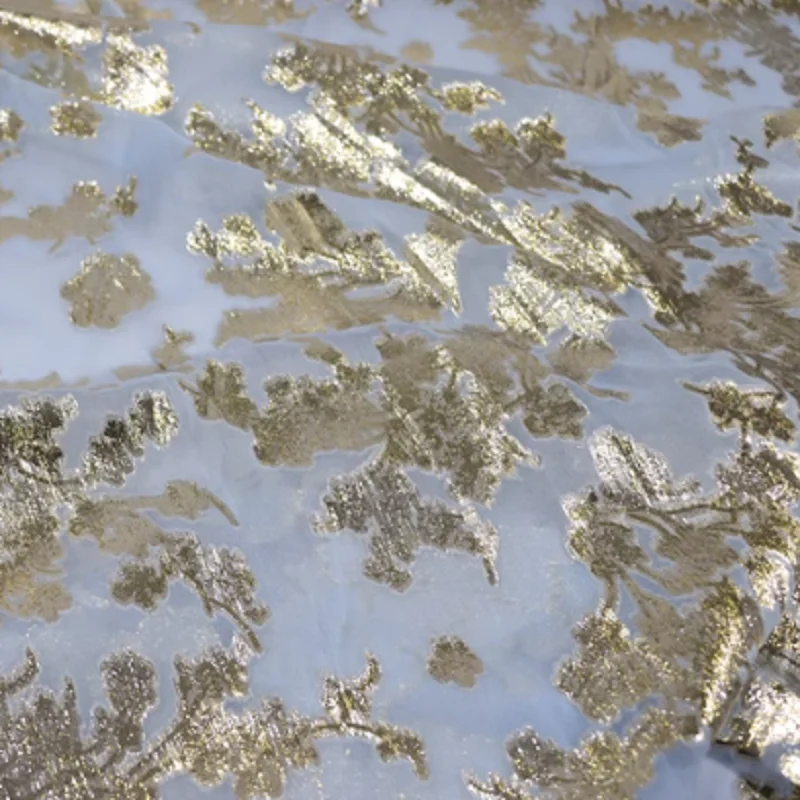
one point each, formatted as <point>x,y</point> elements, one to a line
<point>11,125</point>
<point>783,125</point>
<point>743,194</point>
<point>110,457</point>
<point>79,119</point>
<point>452,661</point>
<point>37,490</point>
<point>135,77</point>
<point>47,32</point>
<point>107,288</point>
<point>383,503</point>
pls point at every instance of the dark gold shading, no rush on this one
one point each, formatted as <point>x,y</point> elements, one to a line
<point>669,129</point>
<point>452,661</point>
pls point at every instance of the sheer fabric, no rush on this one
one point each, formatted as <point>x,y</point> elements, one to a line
<point>399,399</point>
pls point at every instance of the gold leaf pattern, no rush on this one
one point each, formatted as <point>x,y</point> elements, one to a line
<point>107,288</point>
<point>381,501</point>
<point>429,249</point>
<point>87,212</point>
<point>53,755</point>
<point>136,77</point>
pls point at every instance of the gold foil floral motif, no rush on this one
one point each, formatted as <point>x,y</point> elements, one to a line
<point>429,412</point>
<point>438,408</point>
<point>319,262</point>
<point>444,260</point>
<point>38,490</point>
<point>688,652</point>
<point>48,752</point>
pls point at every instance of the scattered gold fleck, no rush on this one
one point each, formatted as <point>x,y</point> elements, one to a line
<point>106,289</point>
<point>79,119</point>
<point>452,661</point>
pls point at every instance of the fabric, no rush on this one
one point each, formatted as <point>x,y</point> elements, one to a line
<point>399,399</point>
